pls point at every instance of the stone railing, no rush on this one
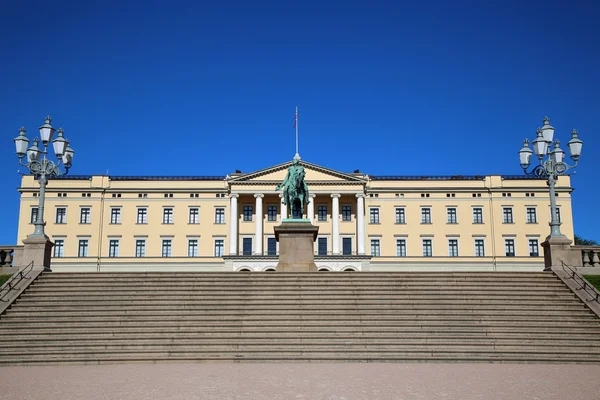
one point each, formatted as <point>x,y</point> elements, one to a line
<point>6,255</point>
<point>590,255</point>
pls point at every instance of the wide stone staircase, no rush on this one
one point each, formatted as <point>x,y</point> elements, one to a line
<point>327,317</point>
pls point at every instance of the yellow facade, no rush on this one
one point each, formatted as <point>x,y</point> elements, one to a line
<point>349,245</point>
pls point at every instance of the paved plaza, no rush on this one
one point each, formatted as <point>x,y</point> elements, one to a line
<point>301,381</point>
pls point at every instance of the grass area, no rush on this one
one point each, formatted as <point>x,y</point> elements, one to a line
<point>4,278</point>
<point>594,280</point>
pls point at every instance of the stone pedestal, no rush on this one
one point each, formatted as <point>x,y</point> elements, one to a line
<point>557,249</point>
<point>38,250</point>
<point>296,245</point>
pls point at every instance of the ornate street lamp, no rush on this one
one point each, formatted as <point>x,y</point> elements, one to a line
<point>551,164</point>
<point>42,168</point>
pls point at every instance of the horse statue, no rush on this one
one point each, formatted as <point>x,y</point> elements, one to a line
<point>295,190</point>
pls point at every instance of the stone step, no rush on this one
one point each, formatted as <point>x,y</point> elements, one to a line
<point>143,308</point>
<point>290,275</point>
<point>177,315</point>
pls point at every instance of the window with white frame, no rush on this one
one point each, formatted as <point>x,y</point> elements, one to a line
<point>425,215</point>
<point>346,246</point>
<point>82,249</point>
<point>322,213</point>
<point>401,247</point>
<point>142,215</point>
<point>248,212</point>
<point>534,248</point>
<point>61,215</point>
<point>509,247</point>
<point>113,248</point>
<point>219,247</point>
<point>375,248</point>
<point>477,215</point>
<point>192,247</point>
<point>322,246</point>
<point>374,215</point>
<point>507,214</point>
<point>59,248</point>
<point>247,246</point>
<point>140,248</point>
<point>85,215</point>
<point>479,248</point>
<point>194,217</point>
<point>271,246</point>
<point>166,247</point>
<point>558,219</point>
<point>400,215</point>
<point>427,248</point>
<point>452,247</point>
<point>167,215</point>
<point>451,215</point>
<point>531,215</point>
<point>346,213</point>
<point>219,215</point>
<point>272,213</point>
<point>115,215</point>
<point>34,215</point>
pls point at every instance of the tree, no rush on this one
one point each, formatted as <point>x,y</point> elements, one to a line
<point>579,241</point>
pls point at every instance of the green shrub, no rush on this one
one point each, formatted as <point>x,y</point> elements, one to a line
<point>4,278</point>
<point>594,280</point>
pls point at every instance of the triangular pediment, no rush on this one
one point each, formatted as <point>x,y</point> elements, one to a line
<point>314,173</point>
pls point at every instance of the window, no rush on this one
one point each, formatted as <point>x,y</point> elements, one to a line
<point>34,215</point>
<point>84,216</point>
<point>116,195</point>
<point>166,248</point>
<point>219,247</point>
<point>140,248</point>
<point>375,248</point>
<point>558,215</point>
<point>247,246</point>
<point>193,248</point>
<point>509,247</point>
<point>271,247</point>
<point>322,213</point>
<point>478,215</point>
<point>427,250</point>
<point>248,211</point>
<point>346,246</point>
<point>534,249</point>
<point>451,215</point>
<point>167,195</point>
<point>453,248</point>
<point>400,215</point>
<point>142,216</point>
<point>401,247</point>
<point>479,248</point>
<point>219,215</point>
<point>271,213</point>
<point>322,246</point>
<point>296,213</point>
<point>59,248</point>
<point>194,218</point>
<point>140,195</point>
<point>346,213</point>
<point>167,216</point>
<point>115,215</point>
<point>82,250</point>
<point>425,215</point>
<point>374,215</point>
<point>508,215</point>
<point>113,248</point>
<point>61,215</point>
<point>531,215</point>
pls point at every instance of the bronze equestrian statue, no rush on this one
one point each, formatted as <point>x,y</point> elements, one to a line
<point>295,190</point>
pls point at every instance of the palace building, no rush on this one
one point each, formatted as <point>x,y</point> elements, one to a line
<point>225,223</point>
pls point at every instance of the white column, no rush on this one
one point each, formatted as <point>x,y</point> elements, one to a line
<point>283,209</point>
<point>311,208</point>
<point>335,224</point>
<point>233,223</point>
<point>360,223</point>
<point>258,237</point>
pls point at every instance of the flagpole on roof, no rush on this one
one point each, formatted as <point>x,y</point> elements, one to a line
<point>296,125</point>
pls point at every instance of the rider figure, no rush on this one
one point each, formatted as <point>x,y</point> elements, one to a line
<point>294,180</point>
<point>294,170</point>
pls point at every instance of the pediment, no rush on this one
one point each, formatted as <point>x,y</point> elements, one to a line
<point>314,173</point>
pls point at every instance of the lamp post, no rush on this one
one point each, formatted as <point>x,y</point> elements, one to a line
<point>42,168</point>
<point>551,165</point>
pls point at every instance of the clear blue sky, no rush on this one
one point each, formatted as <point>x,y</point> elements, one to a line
<point>204,88</point>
